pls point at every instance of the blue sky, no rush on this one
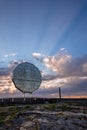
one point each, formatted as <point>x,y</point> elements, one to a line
<point>31,29</point>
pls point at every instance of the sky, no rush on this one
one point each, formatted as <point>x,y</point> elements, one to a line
<point>51,34</point>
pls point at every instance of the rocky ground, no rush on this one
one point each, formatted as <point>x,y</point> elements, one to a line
<point>59,116</point>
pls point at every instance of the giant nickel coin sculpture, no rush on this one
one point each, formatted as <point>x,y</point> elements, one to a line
<point>26,77</point>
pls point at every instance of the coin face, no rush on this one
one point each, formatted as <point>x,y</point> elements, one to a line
<point>26,77</point>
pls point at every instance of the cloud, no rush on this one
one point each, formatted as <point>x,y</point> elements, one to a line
<point>49,77</point>
<point>75,86</point>
<point>56,63</point>
<point>64,64</point>
<point>10,55</point>
<point>70,87</point>
<point>60,70</point>
<point>62,49</point>
<point>68,73</point>
<point>6,85</point>
<point>6,71</point>
<point>37,56</point>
